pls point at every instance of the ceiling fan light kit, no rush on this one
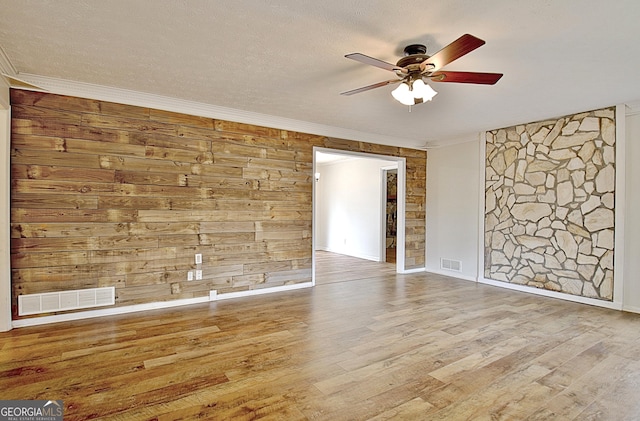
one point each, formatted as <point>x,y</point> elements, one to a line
<point>417,93</point>
<point>416,65</point>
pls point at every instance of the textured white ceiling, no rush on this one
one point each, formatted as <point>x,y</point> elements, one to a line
<point>286,58</point>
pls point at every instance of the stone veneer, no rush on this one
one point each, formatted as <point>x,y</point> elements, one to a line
<point>549,209</point>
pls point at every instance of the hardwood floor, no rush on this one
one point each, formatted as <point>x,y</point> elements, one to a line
<point>331,268</point>
<point>369,345</point>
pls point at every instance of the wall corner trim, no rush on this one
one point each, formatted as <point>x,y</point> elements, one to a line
<point>5,216</point>
<point>620,205</point>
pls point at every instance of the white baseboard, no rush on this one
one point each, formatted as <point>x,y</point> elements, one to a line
<point>452,274</point>
<point>89,314</point>
<point>371,258</point>
<point>631,309</point>
<point>553,294</point>
<point>113,311</point>
<point>346,253</point>
<point>251,292</point>
<point>415,270</point>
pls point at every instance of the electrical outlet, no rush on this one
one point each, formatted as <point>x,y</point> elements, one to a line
<point>190,275</point>
<point>198,275</point>
<point>198,258</point>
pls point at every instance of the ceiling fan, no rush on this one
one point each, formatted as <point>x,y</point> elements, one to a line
<point>416,66</point>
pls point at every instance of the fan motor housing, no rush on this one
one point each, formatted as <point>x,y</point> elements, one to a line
<point>413,49</point>
<point>414,54</point>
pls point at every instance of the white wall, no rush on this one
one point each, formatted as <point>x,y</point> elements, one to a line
<point>453,183</point>
<point>348,206</point>
<point>631,290</point>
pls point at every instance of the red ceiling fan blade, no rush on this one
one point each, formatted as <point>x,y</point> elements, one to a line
<point>466,77</point>
<point>374,62</point>
<point>369,87</point>
<point>463,45</point>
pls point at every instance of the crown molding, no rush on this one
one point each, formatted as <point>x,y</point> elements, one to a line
<point>141,99</point>
<point>459,141</point>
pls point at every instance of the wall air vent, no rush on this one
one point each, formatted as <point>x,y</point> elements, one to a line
<point>450,264</point>
<point>65,300</point>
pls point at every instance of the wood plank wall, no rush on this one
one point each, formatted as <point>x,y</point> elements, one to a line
<point>104,194</point>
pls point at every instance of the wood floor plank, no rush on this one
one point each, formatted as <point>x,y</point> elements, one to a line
<point>364,344</point>
<point>620,401</point>
<point>414,409</point>
<point>596,382</point>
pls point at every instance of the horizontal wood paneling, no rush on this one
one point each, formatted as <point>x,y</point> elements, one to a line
<point>106,194</point>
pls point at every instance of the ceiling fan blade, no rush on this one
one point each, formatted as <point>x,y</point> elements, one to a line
<point>466,77</point>
<point>369,87</point>
<point>463,45</point>
<point>375,62</point>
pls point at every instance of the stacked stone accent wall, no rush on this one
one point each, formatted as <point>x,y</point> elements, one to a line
<point>549,204</point>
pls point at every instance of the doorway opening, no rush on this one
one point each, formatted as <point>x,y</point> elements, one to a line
<point>351,194</point>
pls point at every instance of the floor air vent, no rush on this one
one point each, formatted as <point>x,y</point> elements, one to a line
<point>66,300</point>
<point>450,264</point>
